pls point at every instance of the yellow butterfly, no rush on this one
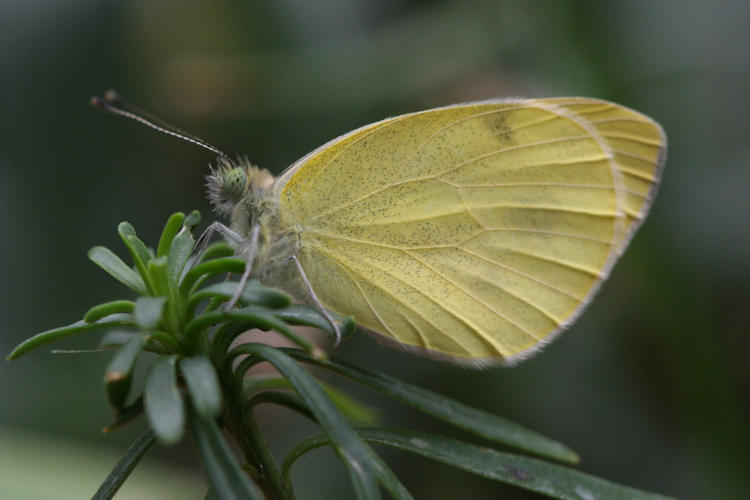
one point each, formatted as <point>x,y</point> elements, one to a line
<point>472,233</point>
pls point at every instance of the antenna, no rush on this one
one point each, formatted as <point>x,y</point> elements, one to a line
<point>113,103</point>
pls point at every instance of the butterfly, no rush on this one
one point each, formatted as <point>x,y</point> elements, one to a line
<point>472,233</point>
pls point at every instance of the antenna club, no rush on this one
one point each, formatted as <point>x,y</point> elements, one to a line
<point>97,102</point>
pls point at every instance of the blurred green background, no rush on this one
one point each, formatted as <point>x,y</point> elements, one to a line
<point>651,386</point>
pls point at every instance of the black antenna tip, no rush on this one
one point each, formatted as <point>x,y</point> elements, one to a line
<point>98,102</point>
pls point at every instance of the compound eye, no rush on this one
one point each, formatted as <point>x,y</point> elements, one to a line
<point>234,183</point>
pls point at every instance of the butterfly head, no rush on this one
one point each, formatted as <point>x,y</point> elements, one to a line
<point>232,181</point>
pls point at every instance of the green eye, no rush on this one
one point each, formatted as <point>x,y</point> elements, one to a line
<point>234,183</point>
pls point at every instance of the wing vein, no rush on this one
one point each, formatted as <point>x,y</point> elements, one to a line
<point>372,308</point>
<point>408,306</point>
<point>636,173</point>
<point>516,148</point>
<point>632,138</point>
<point>621,119</point>
<point>635,193</point>
<point>563,263</point>
<point>590,109</point>
<point>520,273</point>
<point>465,210</point>
<point>528,184</point>
<point>633,155</point>
<point>540,231</point>
<point>452,245</point>
<point>476,299</point>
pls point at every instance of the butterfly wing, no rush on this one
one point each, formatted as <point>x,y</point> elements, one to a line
<point>474,232</point>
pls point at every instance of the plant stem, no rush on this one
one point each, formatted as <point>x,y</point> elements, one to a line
<point>254,446</point>
<point>281,489</point>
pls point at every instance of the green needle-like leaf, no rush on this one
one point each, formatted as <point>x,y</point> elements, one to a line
<point>386,476</point>
<point>62,332</point>
<point>532,474</point>
<point>470,419</point>
<point>365,485</point>
<point>303,315</point>
<point>148,311</point>
<point>125,466</point>
<point>254,388</point>
<point>182,247</point>
<point>227,479</point>
<point>164,406</point>
<point>171,228</point>
<point>115,267</point>
<point>138,250</point>
<point>158,275</point>
<point>252,294</point>
<point>255,317</point>
<point>118,376</point>
<point>286,399</point>
<point>192,220</point>
<point>134,244</point>
<point>216,250</point>
<point>211,267</point>
<point>103,310</point>
<point>202,384</point>
<point>389,480</point>
<point>355,411</point>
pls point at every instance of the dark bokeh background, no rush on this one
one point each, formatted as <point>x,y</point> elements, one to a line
<point>651,386</point>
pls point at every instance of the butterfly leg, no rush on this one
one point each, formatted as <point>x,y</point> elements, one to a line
<point>205,238</point>
<point>202,243</point>
<point>317,303</point>
<point>252,250</point>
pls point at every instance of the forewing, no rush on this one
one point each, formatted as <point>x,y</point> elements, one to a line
<point>471,233</point>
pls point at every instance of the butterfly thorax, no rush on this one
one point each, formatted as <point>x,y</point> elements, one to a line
<point>243,192</point>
